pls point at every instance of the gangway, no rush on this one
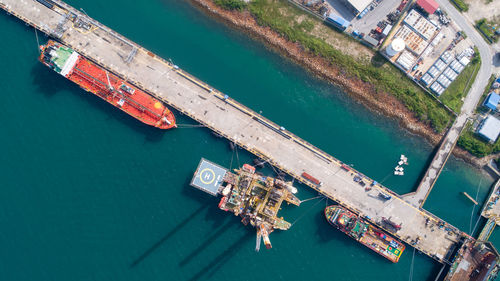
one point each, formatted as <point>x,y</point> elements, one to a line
<point>487,230</point>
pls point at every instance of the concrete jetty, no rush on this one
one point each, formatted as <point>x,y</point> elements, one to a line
<point>238,123</point>
<point>418,197</point>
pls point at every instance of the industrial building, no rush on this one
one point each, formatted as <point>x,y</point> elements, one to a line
<point>429,6</point>
<point>491,101</point>
<point>445,70</point>
<point>412,41</point>
<point>357,6</point>
<point>489,128</point>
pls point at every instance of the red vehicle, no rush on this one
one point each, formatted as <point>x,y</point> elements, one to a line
<point>311,178</point>
<point>395,227</point>
<point>345,167</point>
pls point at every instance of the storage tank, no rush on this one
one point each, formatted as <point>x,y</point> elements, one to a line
<point>397,45</point>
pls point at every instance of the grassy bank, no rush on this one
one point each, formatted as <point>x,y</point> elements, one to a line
<point>486,30</point>
<point>460,5</point>
<point>458,89</point>
<point>481,109</point>
<point>297,26</point>
<point>474,144</point>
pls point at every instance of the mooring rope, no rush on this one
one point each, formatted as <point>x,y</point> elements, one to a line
<point>301,216</point>
<point>305,200</point>
<point>386,177</point>
<point>237,156</point>
<point>410,277</point>
<point>37,41</point>
<point>474,206</point>
<point>185,126</point>
<point>231,164</point>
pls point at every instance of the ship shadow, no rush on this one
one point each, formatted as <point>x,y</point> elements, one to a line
<point>220,260</point>
<point>213,214</point>
<point>208,241</point>
<point>325,232</point>
<point>167,236</point>
<point>50,83</point>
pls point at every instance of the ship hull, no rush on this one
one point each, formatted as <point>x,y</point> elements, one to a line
<point>109,87</point>
<point>363,232</point>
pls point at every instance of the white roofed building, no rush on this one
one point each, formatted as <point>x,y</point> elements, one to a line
<point>489,128</point>
<point>357,6</point>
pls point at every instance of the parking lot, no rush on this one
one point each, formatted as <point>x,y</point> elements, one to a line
<point>377,11</point>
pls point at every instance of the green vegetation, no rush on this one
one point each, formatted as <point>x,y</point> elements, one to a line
<point>459,88</point>
<point>231,4</point>
<point>282,17</point>
<point>486,29</point>
<point>485,94</point>
<point>461,5</point>
<point>474,144</point>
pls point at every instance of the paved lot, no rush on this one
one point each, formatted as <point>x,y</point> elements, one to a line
<point>370,20</point>
<point>245,127</point>
<point>340,9</point>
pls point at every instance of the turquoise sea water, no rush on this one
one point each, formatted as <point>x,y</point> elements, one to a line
<point>88,193</point>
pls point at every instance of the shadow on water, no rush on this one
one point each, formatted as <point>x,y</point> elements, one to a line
<point>435,271</point>
<point>324,231</point>
<point>214,214</point>
<point>222,228</point>
<point>327,233</point>
<point>216,263</point>
<point>50,83</point>
<point>166,237</point>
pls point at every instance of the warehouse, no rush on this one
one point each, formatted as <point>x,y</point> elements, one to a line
<point>489,128</point>
<point>357,6</point>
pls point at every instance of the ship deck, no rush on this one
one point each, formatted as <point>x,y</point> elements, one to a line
<point>138,104</point>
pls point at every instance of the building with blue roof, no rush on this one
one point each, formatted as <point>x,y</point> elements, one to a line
<point>492,101</point>
<point>489,128</point>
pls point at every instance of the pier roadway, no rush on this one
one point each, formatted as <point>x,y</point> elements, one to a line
<point>237,123</point>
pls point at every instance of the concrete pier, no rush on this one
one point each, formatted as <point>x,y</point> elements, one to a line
<point>237,123</point>
<point>418,197</point>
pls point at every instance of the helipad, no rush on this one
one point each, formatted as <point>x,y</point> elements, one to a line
<point>208,177</point>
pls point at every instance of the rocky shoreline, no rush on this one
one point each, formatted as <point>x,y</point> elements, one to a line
<point>363,92</point>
